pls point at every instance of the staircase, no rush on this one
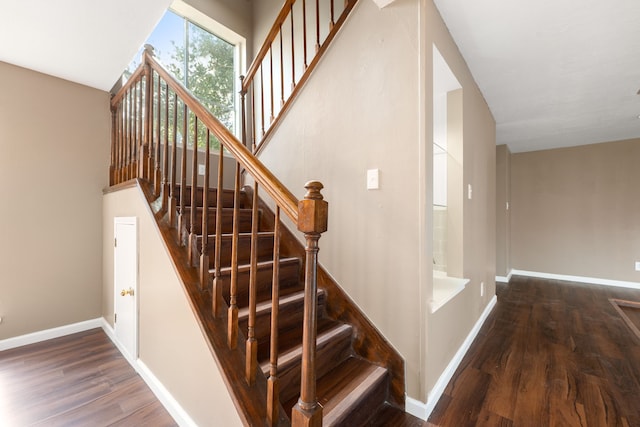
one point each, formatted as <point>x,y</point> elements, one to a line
<point>291,345</point>
<point>351,389</point>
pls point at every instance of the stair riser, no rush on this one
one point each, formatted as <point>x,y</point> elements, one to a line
<point>290,317</point>
<point>265,250</point>
<point>328,356</point>
<point>244,222</point>
<point>361,409</point>
<point>227,197</point>
<point>289,279</point>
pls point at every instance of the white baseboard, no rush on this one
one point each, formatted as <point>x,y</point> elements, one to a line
<point>49,334</point>
<point>423,410</point>
<point>579,279</point>
<point>164,396</point>
<point>171,405</point>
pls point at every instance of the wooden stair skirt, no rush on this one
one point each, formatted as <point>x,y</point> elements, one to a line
<point>354,386</point>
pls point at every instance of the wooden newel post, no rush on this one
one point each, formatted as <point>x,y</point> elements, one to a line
<point>312,221</point>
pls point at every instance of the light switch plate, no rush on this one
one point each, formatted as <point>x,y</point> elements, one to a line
<point>637,265</point>
<point>373,179</point>
<point>200,169</point>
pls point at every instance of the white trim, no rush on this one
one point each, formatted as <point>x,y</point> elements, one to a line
<point>503,279</point>
<point>580,279</point>
<point>172,406</point>
<point>416,407</point>
<point>423,410</point>
<point>49,334</point>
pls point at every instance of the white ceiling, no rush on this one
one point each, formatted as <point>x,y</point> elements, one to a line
<point>554,72</point>
<point>43,35</point>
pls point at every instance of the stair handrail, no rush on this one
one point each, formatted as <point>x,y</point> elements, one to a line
<point>251,120</point>
<point>136,153</point>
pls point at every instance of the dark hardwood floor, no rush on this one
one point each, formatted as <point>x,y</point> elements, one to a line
<point>551,354</point>
<point>76,380</point>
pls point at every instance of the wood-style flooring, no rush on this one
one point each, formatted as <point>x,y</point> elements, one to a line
<point>76,380</point>
<point>551,353</point>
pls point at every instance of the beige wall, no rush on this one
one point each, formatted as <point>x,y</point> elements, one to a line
<point>448,327</point>
<point>575,211</point>
<point>503,214</point>
<point>366,107</point>
<point>54,154</point>
<point>170,341</point>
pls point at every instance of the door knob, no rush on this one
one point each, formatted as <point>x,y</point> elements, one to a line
<point>127,292</point>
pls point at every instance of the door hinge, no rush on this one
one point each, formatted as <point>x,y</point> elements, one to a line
<point>115,317</point>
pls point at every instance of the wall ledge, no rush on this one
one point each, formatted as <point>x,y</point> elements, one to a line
<point>580,279</point>
<point>423,410</point>
<point>383,3</point>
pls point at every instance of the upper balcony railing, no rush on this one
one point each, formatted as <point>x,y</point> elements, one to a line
<point>297,40</point>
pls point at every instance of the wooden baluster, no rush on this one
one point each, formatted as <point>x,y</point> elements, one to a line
<point>138,147</point>
<point>273,383</point>
<point>251,353</point>
<point>113,145</point>
<point>304,32</point>
<point>271,85</point>
<point>134,133</point>
<point>194,192</point>
<point>157,176</point>
<point>293,52</point>
<point>174,169</point>
<point>183,174</point>
<point>145,151</point>
<point>116,172</point>
<point>165,154</point>
<point>151,140</point>
<point>232,332</point>
<point>261,101</point>
<point>217,287</point>
<point>204,249</point>
<point>312,221</point>
<point>254,120</point>
<point>317,25</point>
<point>281,71</point>
<point>127,115</point>
<point>117,146</point>
<point>243,110</point>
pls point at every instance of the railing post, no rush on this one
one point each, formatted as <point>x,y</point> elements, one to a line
<point>312,221</point>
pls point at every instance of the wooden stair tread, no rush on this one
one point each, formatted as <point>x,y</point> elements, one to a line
<point>264,307</point>
<point>351,382</point>
<point>212,237</point>
<point>245,268</point>
<point>324,338</point>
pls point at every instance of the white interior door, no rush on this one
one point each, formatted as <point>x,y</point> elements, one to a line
<point>126,284</point>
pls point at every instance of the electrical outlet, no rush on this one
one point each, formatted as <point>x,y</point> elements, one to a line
<point>481,289</point>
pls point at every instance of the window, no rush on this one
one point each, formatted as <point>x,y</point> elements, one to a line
<point>205,63</point>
